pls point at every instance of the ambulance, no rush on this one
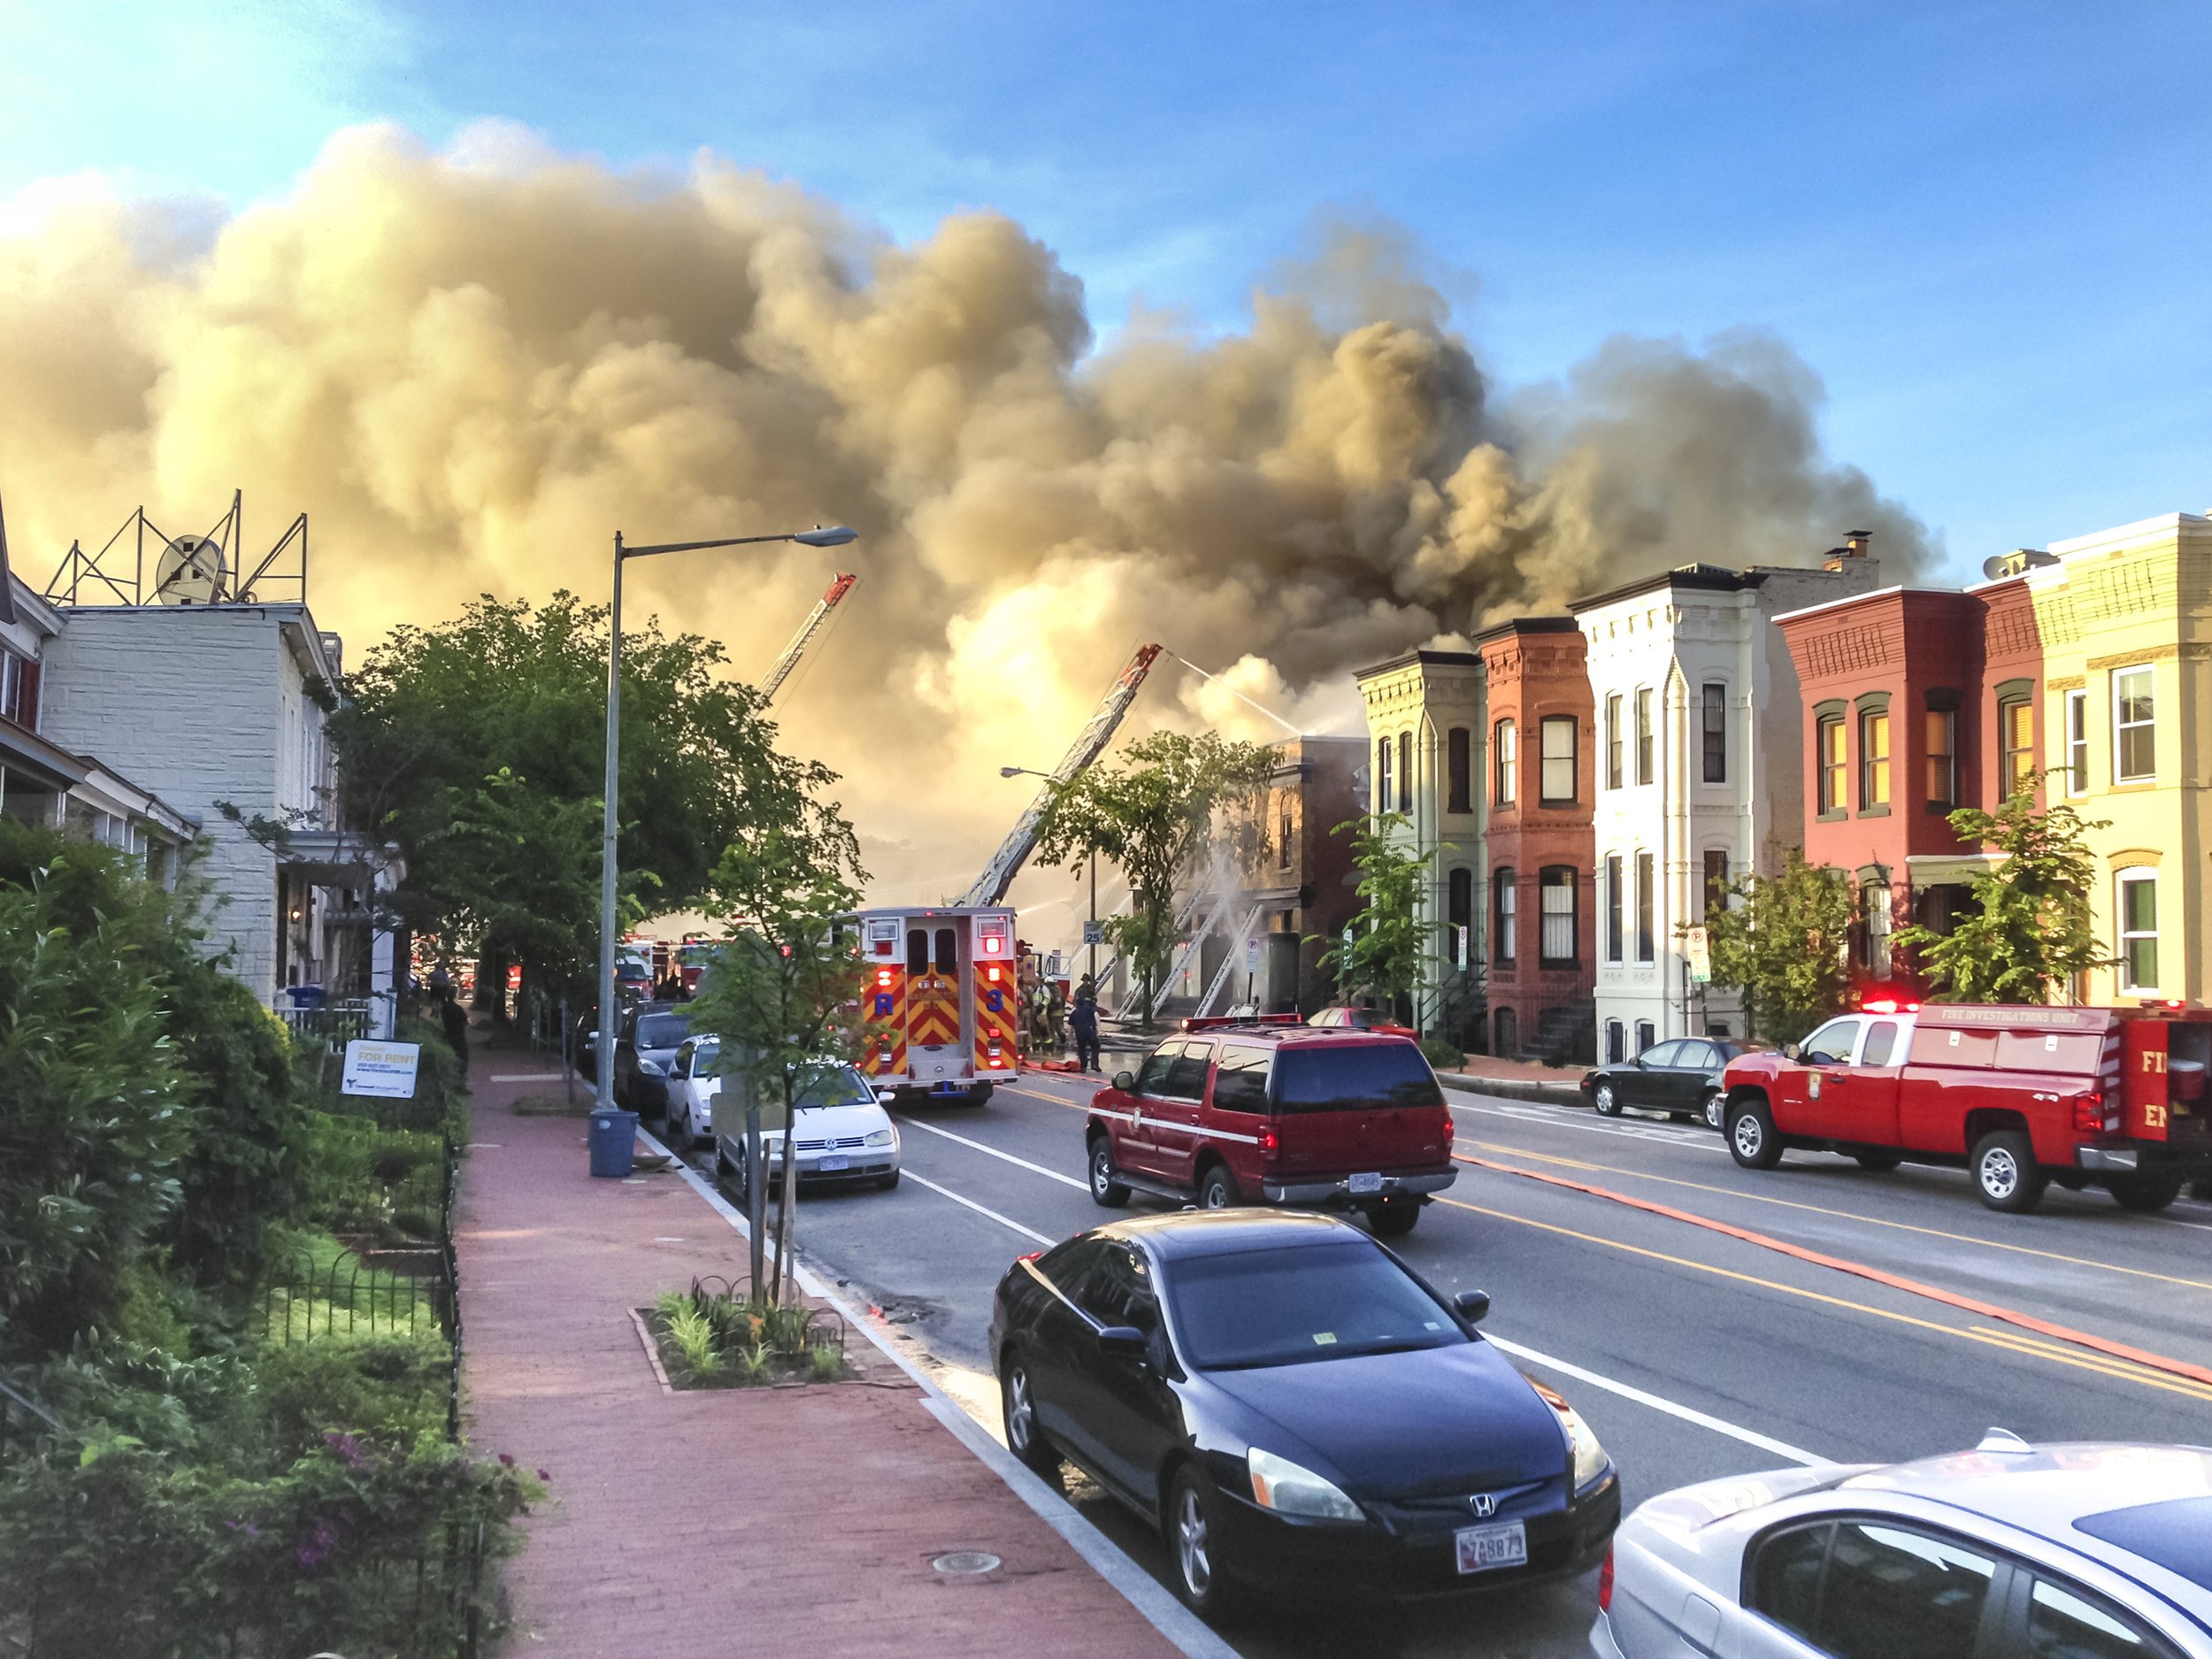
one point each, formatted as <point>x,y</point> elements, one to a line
<point>940,1003</point>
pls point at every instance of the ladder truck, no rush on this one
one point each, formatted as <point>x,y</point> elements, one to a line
<point>837,590</point>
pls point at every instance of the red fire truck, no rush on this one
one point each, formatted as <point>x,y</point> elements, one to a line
<point>2021,1097</point>
<point>941,1003</point>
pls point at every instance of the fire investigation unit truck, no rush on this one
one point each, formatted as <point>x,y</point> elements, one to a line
<point>941,1001</point>
<point>2021,1097</point>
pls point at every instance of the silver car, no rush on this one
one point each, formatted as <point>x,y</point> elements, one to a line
<point>843,1135</point>
<point>2043,1552</point>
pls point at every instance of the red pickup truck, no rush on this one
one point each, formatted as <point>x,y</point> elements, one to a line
<point>2021,1096</point>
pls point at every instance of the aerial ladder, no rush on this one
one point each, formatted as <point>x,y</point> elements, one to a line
<point>1013,853</point>
<point>808,629</point>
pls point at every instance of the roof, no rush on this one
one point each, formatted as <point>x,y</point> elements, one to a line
<point>1281,1032</point>
<point>1193,1233</point>
<point>1898,591</point>
<point>1528,624</point>
<point>1441,659</point>
<point>1704,578</point>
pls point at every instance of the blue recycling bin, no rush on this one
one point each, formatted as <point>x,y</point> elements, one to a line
<point>613,1142</point>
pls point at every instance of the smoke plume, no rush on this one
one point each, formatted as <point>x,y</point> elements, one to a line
<point>470,367</point>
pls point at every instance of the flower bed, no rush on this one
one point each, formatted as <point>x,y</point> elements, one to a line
<point>716,1336</point>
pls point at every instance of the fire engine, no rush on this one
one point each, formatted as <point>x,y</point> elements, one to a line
<point>941,1001</point>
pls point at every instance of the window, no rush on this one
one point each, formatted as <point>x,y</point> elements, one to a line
<point>1662,1054</point>
<point>1507,1041</point>
<point>1186,1077</point>
<point>2015,746</point>
<point>2138,908</point>
<point>1716,889</point>
<point>1614,900</point>
<point>1383,791</point>
<point>1830,1045</point>
<point>2133,758</point>
<point>1459,913</point>
<point>1287,850</point>
<point>19,689</point>
<point>1556,738</point>
<point>918,950</point>
<point>1643,735</point>
<point>1644,895</point>
<point>1943,758</point>
<point>1785,1578</point>
<point>1716,733</point>
<point>2076,742</point>
<point>1881,1043</point>
<point>1354,1080</point>
<point>1507,762</point>
<point>1613,741</point>
<point>1405,772</point>
<point>1616,1042</point>
<point>1457,742</point>
<point>1556,914</point>
<point>1241,1079</point>
<point>1645,1033</point>
<point>1829,747</point>
<point>947,952</point>
<point>2065,1622</point>
<point>1502,905</point>
<point>1891,1592</point>
<point>1873,759</point>
<point>1152,1079</point>
<point>1874,908</point>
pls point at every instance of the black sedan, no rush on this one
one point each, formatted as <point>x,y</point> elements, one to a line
<point>1295,1410</point>
<point>1680,1076</point>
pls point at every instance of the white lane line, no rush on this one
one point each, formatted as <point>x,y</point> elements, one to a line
<point>1037,1169</point>
<point>1700,1140</point>
<point>1689,1413</point>
<point>978,1209</point>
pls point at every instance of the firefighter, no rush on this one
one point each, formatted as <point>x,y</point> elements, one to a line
<point>1083,1023</point>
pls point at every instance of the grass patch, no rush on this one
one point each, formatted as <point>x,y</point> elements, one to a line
<point>710,1339</point>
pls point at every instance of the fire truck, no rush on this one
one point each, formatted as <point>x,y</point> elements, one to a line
<point>2023,1096</point>
<point>941,1001</point>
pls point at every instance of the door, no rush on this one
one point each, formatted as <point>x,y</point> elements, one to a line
<point>1173,1120</point>
<point>1356,1108</point>
<point>937,1049</point>
<point>1651,1081</point>
<point>1805,1091</point>
<point>1129,1415</point>
<point>1695,1063</point>
<point>1863,1106</point>
<point>1136,1143</point>
<point>1060,1342</point>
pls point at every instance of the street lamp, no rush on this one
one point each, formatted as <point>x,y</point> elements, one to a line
<point>1090,942</point>
<point>602,1049</point>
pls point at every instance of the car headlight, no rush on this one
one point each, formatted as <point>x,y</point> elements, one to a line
<point>1589,1458</point>
<point>878,1137</point>
<point>653,1068</point>
<point>1279,1484</point>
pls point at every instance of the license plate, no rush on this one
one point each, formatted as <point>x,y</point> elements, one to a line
<point>1487,1548</point>
<point>830,1166</point>
<point>1368,1183</point>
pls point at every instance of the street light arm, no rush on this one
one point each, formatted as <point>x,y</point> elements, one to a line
<point>693,546</point>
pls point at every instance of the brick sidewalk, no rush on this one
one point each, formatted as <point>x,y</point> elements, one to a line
<point>700,1522</point>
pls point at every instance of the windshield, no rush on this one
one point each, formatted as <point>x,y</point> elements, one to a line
<point>833,1086</point>
<point>1260,1308</point>
<point>695,954</point>
<point>1353,1077</point>
<point>663,1031</point>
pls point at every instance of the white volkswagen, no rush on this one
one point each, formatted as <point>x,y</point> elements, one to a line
<point>844,1134</point>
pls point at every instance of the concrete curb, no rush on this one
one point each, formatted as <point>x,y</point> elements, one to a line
<point>1189,1633</point>
<point>1516,1089</point>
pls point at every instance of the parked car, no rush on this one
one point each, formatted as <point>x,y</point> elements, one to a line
<point>1295,1409</point>
<point>843,1135</point>
<point>651,1034</point>
<point>2057,1552</point>
<point>2022,1095</point>
<point>1361,1020</point>
<point>694,1084</point>
<point>1279,1114</point>
<point>1681,1077</point>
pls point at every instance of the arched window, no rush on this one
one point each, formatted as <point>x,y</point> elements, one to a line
<point>1556,918</point>
<point>1460,914</point>
<point>1503,904</point>
<point>2135,909</point>
<point>1384,793</point>
<point>1507,749</point>
<point>1459,786</point>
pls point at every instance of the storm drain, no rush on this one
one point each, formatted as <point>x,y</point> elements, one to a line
<point>966,1564</point>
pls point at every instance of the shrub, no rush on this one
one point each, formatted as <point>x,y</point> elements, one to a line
<point>1442,1054</point>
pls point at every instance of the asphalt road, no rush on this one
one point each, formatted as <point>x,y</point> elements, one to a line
<point>1674,1298</point>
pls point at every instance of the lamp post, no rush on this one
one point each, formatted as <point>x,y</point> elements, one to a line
<point>602,1049</point>
<point>1090,942</point>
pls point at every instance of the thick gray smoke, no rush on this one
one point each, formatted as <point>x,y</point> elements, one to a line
<point>471,367</point>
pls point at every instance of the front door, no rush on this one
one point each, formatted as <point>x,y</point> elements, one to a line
<point>1129,1413</point>
<point>1173,1119</point>
<point>1863,1101</point>
<point>1653,1083</point>
<point>1137,1147</point>
<point>1806,1096</point>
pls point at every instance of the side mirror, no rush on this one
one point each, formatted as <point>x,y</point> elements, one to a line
<point>1789,1051</point>
<point>1471,1305</point>
<point>1124,1341</point>
<point>1125,1080</point>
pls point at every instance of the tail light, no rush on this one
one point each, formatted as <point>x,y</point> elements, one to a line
<point>1450,1128</point>
<point>1605,1582</point>
<point>1269,1141</point>
<point>1033,1255</point>
<point>2089,1113</point>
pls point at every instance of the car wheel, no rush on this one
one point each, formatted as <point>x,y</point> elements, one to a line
<point>1024,1438</point>
<point>1606,1103</point>
<point>888,1182</point>
<point>1193,1537</point>
<point>2146,1194</point>
<point>1880,1163</point>
<point>1105,1190</point>
<point>1216,1189</point>
<point>2006,1175</point>
<point>1394,1218</point>
<point>734,1181</point>
<point>1752,1141</point>
<point>1712,1109</point>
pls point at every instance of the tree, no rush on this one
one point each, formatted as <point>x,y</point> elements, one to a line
<point>1383,956</point>
<point>1151,814</point>
<point>783,993</point>
<point>2030,933</point>
<point>1783,943</point>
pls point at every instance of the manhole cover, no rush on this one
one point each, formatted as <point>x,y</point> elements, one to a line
<point>966,1563</point>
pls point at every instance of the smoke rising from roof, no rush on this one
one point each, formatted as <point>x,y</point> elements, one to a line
<point>471,366</point>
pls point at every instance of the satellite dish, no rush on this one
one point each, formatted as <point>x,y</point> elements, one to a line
<point>190,572</point>
<point>1999,565</point>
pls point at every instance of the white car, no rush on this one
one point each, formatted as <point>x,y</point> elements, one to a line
<point>842,1133</point>
<point>2042,1552</point>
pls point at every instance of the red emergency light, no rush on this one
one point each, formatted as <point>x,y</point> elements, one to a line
<point>1889,1005</point>
<point>883,976</point>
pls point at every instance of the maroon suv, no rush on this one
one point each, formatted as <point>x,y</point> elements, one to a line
<point>1262,1113</point>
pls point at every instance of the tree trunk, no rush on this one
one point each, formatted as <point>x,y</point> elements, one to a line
<point>787,1272</point>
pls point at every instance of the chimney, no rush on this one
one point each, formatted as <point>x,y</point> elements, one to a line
<point>1854,546</point>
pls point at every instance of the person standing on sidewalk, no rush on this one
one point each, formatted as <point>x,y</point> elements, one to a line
<point>455,1020</point>
<point>1083,1023</point>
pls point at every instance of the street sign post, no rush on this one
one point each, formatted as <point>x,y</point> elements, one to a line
<point>1094,933</point>
<point>1700,952</point>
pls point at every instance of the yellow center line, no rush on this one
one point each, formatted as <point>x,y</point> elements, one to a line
<point>1840,1215</point>
<point>2120,1369</point>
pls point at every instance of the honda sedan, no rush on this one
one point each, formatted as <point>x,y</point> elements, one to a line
<point>1295,1410</point>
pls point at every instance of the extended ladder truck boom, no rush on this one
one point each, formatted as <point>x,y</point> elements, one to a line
<point>808,629</point>
<point>1013,853</point>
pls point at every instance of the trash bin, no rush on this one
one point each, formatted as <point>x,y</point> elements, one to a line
<point>613,1142</point>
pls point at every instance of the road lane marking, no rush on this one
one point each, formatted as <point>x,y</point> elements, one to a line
<point>2110,1368</point>
<point>1841,1215</point>
<point>1055,1175</point>
<point>981,1210</point>
<point>1659,1403</point>
<point>1559,1117</point>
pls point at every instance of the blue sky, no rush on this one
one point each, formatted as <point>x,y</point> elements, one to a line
<point>1985,227</point>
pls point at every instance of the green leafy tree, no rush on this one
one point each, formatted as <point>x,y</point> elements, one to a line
<point>784,992</point>
<point>2029,932</point>
<point>1383,955</point>
<point>1783,943</point>
<point>1152,813</point>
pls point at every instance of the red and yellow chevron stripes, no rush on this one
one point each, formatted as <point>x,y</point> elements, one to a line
<point>933,1005</point>
<point>995,996</point>
<point>887,1021</point>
